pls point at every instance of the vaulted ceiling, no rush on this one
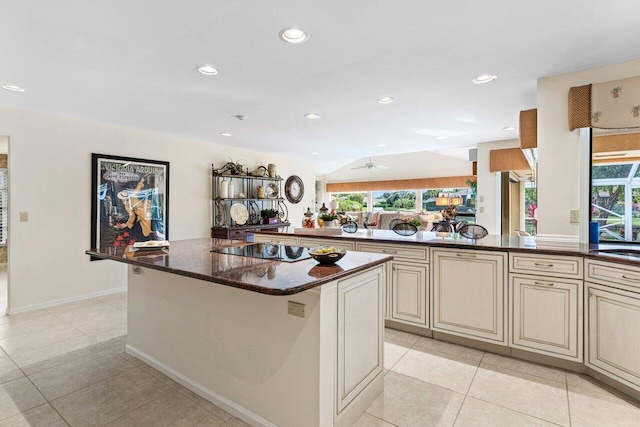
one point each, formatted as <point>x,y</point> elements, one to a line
<point>133,63</point>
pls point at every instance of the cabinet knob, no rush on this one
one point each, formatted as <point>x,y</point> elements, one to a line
<point>590,294</point>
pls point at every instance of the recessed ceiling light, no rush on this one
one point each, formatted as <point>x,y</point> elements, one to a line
<point>485,78</point>
<point>386,100</point>
<point>314,153</point>
<point>441,137</point>
<point>508,128</point>
<point>225,134</point>
<point>380,145</point>
<point>293,35</point>
<point>13,88</point>
<point>312,116</point>
<point>208,70</point>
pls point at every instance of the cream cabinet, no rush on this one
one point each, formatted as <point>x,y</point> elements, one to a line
<point>408,292</point>
<point>407,287</point>
<point>281,239</point>
<point>546,315</point>
<point>613,335</point>
<point>311,242</point>
<point>469,292</point>
<point>360,327</point>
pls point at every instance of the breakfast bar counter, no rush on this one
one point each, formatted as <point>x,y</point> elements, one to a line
<point>281,341</point>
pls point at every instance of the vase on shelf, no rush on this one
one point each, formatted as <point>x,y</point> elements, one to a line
<point>271,169</point>
<point>224,189</point>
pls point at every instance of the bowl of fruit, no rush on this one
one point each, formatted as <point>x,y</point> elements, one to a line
<point>327,254</point>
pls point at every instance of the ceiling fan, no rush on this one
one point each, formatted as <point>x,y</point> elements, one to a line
<point>370,165</point>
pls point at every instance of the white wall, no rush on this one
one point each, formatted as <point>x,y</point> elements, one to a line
<point>50,178</point>
<point>4,144</point>
<point>488,186</point>
<point>559,149</point>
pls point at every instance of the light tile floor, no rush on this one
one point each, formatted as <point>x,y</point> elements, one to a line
<point>67,366</point>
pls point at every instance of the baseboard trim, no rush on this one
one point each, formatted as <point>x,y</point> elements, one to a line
<point>231,407</point>
<point>53,303</point>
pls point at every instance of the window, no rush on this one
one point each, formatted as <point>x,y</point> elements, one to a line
<point>350,202</point>
<point>395,200</point>
<point>467,194</point>
<point>615,186</point>
<point>3,206</point>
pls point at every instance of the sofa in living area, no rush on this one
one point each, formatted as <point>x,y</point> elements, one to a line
<point>381,220</point>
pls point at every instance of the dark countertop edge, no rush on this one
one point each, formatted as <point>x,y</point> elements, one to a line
<point>241,285</point>
<point>587,252</point>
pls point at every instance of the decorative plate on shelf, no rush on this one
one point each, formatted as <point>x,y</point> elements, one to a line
<point>239,213</point>
<point>271,191</point>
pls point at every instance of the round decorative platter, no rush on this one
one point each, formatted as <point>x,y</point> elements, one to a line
<point>239,213</point>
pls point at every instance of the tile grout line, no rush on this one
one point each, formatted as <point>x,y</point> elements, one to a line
<point>468,389</point>
<point>566,381</point>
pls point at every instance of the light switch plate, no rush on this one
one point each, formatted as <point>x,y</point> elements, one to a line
<point>24,216</point>
<point>574,216</point>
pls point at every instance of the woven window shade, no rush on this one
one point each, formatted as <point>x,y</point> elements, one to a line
<point>579,107</point>
<point>400,184</point>
<point>509,159</point>
<point>529,128</point>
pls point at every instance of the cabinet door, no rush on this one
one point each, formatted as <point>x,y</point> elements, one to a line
<point>546,316</point>
<point>409,293</point>
<point>360,333</point>
<point>336,243</point>
<point>469,294</point>
<point>613,338</point>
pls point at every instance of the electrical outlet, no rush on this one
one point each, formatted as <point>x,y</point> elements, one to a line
<point>296,309</point>
<point>481,209</point>
<point>481,199</point>
<point>574,216</point>
<point>24,216</point>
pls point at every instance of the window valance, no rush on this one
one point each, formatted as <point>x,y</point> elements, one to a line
<point>609,105</point>
<point>400,184</point>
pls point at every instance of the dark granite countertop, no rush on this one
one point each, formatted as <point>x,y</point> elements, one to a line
<point>490,243</point>
<point>193,258</point>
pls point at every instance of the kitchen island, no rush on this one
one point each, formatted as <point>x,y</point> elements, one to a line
<point>219,323</point>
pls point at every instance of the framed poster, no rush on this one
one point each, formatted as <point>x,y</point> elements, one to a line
<point>129,201</point>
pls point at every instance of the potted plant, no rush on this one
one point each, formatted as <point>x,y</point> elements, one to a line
<point>234,168</point>
<point>327,218</point>
<point>269,216</point>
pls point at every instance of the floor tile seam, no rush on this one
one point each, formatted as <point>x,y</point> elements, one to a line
<point>88,385</point>
<point>566,380</point>
<point>526,373</point>
<point>426,382</point>
<point>399,359</point>
<point>202,406</point>
<point>515,410</point>
<point>452,354</point>
<point>381,419</point>
<point>144,404</point>
<point>442,353</point>
<point>92,384</point>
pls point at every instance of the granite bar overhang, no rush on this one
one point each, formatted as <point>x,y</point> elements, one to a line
<point>193,258</point>
<point>489,243</point>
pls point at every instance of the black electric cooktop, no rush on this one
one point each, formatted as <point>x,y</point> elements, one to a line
<point>267,251</point>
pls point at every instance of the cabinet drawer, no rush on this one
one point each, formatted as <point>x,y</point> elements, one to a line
<point>608,273</point>
<point>546,265</point>
<point>336,243</point>
<point>398,252</point>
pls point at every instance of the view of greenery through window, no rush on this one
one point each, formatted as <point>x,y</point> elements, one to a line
<point>615,193</point>
<point>405,200</point>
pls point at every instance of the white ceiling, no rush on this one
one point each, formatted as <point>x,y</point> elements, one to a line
<point>132,63</point>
